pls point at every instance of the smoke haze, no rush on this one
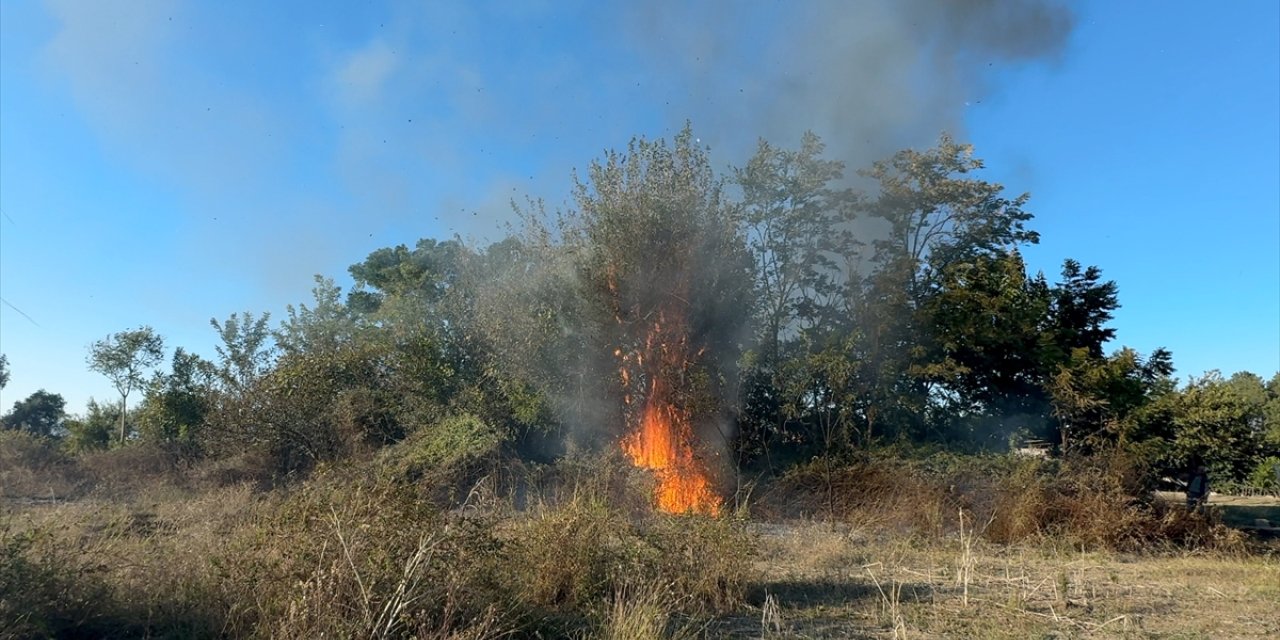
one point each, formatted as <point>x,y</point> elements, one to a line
<point>259,144</point>
<point>870,77</point>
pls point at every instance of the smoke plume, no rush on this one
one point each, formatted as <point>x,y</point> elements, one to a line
<point>870,76</point>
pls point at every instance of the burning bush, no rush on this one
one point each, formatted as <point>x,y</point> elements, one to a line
<point>667,281</point>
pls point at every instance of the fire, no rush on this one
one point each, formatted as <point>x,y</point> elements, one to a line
<point>662,437</point>
<point>663,442</point>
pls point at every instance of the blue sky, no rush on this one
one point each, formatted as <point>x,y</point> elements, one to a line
<point>168,162</point>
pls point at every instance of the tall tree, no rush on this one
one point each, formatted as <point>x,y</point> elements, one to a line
<point>4,371</point>
<point>41,414</point>
<point>246,351</point>
<point>1082,306</point>
<point>326,325</point>
<point>176,403</point>
<point>665,278</point>
<point>428,270</point>
<point>797,224</point>
<point>935,214</point>
<point>987,319</point>
<point>125,358</point>
<point>938,213</point>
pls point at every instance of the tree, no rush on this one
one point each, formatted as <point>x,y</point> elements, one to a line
<point>1220,421</point>
<point>124,358</point>
<point>246,351</point>
<point>1271,412</point>
<point>987,320</point>
<point>92,431</point>
<point>937,214</point>
<point>4,371</point>
<point>40,414</point>
<point>428,271</point>
<point>797,226</point>
<point>1096,399</point>
<point>176,403</point>
<point>1082,306</point>
<point>325,326</point>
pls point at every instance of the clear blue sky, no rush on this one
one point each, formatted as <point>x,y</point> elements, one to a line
<point>164,163</point>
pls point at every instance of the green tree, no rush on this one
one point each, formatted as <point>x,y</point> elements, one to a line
<point>937,214</point>
<point>1220,421</point>
<point>326,325</point>
<point>1271,413</point>
<point>92,431</point>
<point>4,371</point>
<point>176,403</point>
<point>987,319</point>
<point>124,358</point>
<point>246,351</point>
<point>1082,306</point>
<point>40,414</point>
<point>797,225</point>
<point>1096,400</point>
<point>428,271</point>
<point>664,277</point>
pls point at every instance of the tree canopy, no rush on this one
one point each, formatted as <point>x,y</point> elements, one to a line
<point>785,309</point>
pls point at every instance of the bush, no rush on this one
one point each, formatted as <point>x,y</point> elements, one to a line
<point>35,467</point>
<point>1102,502</point>
<point>352,556</point>
<point>1266,475</point>
<point>450,457</point>
<point>42,595</point>
<point>1098,503</point>
<point>885,493</point>
<point>133,468</point>
<point>575,558</point>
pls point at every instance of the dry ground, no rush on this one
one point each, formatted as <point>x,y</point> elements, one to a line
<point>831,582</point>
<point>813,580</point>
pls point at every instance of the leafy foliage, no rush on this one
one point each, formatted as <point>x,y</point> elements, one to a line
<point>124,358</point>
<point>800,316</point>
<point>40,414</point>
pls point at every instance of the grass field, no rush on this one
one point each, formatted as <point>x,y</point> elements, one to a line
<point>825,582</point>
<point>172,557</point>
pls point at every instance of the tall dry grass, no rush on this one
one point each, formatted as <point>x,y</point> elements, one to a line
<point>355,553</point>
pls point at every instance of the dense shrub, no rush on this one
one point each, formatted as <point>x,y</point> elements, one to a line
<point>1266,475</point>
<point>355,557</point>
<point>35,467</point>
<point>1102,502</point>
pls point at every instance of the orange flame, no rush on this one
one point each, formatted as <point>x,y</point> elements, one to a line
<point>662,438</point>
<point>663,442</point>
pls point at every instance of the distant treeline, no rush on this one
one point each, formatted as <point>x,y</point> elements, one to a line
<point>819,319</point>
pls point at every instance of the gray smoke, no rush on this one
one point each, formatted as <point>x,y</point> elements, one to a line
<point>869,76</point>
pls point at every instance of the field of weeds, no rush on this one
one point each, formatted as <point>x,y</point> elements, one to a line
<point>820,581</point>
<point>575,552</point>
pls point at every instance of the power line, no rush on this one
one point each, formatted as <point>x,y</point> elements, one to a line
<point>20,311</point>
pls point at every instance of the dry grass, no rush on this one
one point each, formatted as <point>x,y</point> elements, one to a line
<point>353,554</point>
<point>357,553</point>
<point>826,582</point>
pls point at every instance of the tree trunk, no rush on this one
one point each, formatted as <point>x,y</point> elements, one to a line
<point>124,405</point>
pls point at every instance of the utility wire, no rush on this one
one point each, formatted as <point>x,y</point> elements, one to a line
<point>20,311</point>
